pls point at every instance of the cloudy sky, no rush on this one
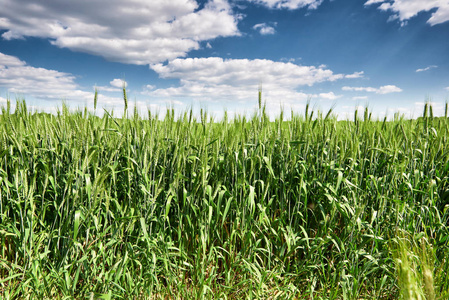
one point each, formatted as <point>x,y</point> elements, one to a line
<point>389,55</point>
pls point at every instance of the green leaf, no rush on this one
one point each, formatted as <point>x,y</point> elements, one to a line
<point>76,224</point>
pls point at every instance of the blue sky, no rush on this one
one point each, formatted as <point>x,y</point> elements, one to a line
<point>389,55</point>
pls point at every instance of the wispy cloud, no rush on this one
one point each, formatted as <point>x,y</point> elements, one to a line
<point>134,32</point>
<point>289,4</point>
<point>369,2</point>
<point>355,75</point>
<point>426,69</point>
<point>386,89</point>
<point>359,89</point>
<point>360,98</point>
<point>404,10</point>
<point>265,29</point>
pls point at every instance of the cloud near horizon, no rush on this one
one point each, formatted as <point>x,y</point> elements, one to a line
<point>360,98</point>
<point>386,89</point>
<point>216,79</point>
<point>40,83</point>
<point>18,77</point>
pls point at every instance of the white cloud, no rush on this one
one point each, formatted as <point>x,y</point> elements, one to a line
<point>369,2</point>
<point>264,29</point>
<point>355,75</point>
<point>407,9</point>
<point>289,4</point>
<point>329,96</point>
<point>386,89</point>
<point>236,81</point>
<point>118,83</point>
<point>426,69</point>
<point>19,78</point>
<point>284,59</point>
<point>447,88</point>
<point>107,89</point>
<point>360,98</point>
<point>438,108</point>
<point>359,89</point>
<point>243,72</point>
<point>352,109</point>
<point>132,31</point>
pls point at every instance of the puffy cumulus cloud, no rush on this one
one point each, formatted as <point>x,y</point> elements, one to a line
<point>19,78</point>
<point>426,69</point>
<point>244,72</point>
<point>407,9</point>
<point>132,31</point>
<point>264,29</point>
<point>9,61</point>
<point>386,89</point>
<point>289,4</point>
<point>118,83</point>
<point>234,81</point>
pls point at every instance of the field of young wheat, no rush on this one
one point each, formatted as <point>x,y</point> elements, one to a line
<point>185,207</point>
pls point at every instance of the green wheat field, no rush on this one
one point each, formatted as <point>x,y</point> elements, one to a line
<point>186,207</point>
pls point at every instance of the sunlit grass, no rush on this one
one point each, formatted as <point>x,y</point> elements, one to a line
<point>139,207</point>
